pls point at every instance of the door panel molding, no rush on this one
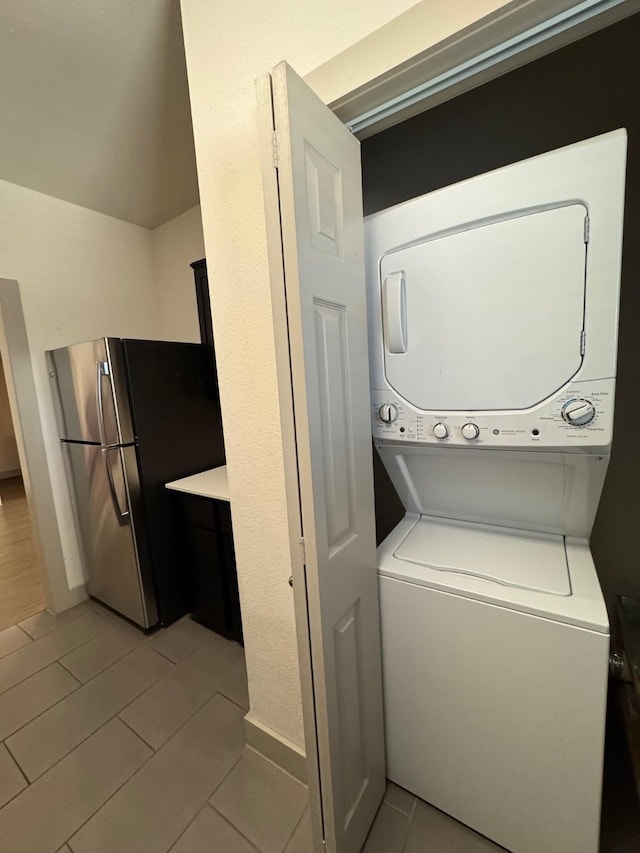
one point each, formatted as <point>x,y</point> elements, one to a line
<point>321,249</point>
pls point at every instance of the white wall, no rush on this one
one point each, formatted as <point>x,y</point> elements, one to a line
<point>9,461</point>
<point>253,36</point>
<point>176,244</point>
<point>81,275</point>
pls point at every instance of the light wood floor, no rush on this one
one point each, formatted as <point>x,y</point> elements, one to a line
<point>21,590</point>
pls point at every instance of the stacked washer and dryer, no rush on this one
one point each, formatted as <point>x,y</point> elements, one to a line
<point>493,311</point>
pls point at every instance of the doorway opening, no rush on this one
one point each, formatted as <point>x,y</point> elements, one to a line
<point>575,93</point>
<point>398,166</point>
<point>21,588</point>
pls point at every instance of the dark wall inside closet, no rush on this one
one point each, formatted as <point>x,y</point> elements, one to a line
<point>579,91</point>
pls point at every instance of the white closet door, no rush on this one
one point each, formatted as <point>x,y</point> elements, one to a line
<point>320,196</point>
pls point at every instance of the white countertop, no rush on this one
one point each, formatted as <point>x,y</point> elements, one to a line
<point>207,484</point>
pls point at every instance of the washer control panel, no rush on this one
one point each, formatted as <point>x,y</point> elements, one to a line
<point>581,414</point>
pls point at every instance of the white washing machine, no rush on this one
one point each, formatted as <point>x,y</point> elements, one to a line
<point>493,310</point>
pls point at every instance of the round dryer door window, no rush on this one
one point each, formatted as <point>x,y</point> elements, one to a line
<point>489,317</point>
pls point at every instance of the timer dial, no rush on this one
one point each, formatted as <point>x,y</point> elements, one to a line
<point>440,430</point>
<point>578,412</point>
<point>470,431</point>
<point>388,413</point>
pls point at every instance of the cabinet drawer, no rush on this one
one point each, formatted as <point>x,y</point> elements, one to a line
<point>198,511</point>
<point>206,583</point>
<point>224,516</point>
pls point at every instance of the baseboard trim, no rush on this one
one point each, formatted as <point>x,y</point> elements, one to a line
<point>12,472</point>
<point>276,748</point>
<point>69,598</point>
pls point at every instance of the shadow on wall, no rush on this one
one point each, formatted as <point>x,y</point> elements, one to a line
<point>9,459</point>
<point>579,91</point>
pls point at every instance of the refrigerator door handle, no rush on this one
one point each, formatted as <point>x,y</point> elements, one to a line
<point>102,369</point>
<point>123,517</point>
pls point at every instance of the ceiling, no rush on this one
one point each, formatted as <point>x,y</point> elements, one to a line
<point>94,105</point>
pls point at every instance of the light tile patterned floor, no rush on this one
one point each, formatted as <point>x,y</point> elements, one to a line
<point>405,824</point>
<point>111,741</point>
<point>114,742</point>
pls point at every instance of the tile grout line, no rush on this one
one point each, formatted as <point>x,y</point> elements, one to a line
<point>21,629</point>
<point>66,669</point>
<point>175,663</point>
<point>225,777</point>
<point>239,831</point>
<point>408,814</point>
<point>137,734</point>
<point>233,701</point>
<point>276,765</point>
<point>409,824</point>
<point>22,790</point>
<point>299,821</point>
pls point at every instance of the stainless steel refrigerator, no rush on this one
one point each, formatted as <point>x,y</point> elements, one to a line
<point>134,415</point>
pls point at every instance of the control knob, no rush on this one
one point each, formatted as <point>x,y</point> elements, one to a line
<point>440,430</point>
<point>578,412</point>
<point>470,431</point>
<point>388,413</point>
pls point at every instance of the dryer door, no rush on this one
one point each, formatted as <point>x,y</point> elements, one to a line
<point>489,317</point>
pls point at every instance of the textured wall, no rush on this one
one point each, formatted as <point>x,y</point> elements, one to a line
<point>225,53</point>
<point>81,275</point>
<point>175,245</point>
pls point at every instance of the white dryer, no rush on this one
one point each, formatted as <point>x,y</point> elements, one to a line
<point>493,311</point>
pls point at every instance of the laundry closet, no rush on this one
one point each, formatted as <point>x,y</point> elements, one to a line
<point>436,656</point>
<point>492,416</point>
<point>460,141</point>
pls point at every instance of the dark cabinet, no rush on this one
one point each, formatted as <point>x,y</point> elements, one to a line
<point>209,564</point>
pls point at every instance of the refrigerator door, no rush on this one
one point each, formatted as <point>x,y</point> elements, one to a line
<point>105,493</point>
<point>92,399</point>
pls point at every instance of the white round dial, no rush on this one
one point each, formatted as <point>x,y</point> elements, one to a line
<point>578,412</point>
<point>440,430</point>
<point>470,431</point>
<point>388,413</point>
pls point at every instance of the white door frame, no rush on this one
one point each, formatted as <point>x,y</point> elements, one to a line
<point>512,36</point>
<point>495,33</point>
<point>25,413</point>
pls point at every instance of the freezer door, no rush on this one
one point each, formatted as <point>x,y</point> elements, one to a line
<point>92,396</point>
<point>104,498</point>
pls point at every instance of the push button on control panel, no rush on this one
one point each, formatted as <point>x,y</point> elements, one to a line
<point>470,431</point>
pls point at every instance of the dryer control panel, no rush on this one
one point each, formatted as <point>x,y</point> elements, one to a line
<point>580,415</point>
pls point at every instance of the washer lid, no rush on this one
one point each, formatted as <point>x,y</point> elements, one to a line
<point>515,558</point>
<point>489,317</point>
